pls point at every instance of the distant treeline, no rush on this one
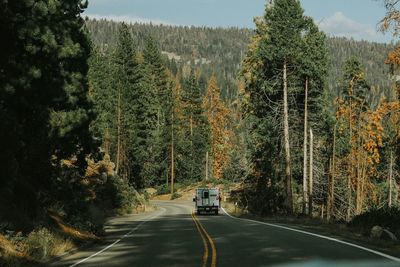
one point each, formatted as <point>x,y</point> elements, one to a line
<point>221,50</point>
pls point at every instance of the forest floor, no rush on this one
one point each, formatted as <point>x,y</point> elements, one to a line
<point>42,244</point>
<point>340,231</point>
<point>50,242</point>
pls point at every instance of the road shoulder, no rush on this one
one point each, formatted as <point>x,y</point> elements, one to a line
<point>337,231</point>
<point>109,238</point>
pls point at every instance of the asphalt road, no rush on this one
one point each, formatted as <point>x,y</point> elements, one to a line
<point>173,236</point>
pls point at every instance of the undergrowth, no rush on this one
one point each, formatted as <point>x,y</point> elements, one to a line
<point>388,218</point>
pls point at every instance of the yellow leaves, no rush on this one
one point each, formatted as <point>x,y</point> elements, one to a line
<point>394,57</point>
<point>96,169</point>
<point>70,231</point>
<point>368,131</point>
<point>218,116</point>
<point>251,62</point>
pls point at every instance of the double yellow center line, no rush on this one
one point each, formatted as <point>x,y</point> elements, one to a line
<point>206,237</point>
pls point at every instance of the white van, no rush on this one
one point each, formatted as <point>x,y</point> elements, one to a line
<point>207,200</point>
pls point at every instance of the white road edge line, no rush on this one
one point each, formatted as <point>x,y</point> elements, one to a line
<point>118,240</point>
<point>320,236</point>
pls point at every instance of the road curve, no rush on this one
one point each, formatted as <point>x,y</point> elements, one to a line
<point>173,236</point>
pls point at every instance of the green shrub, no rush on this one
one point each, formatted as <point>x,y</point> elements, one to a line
<point>178,186</point>
<point>162,189</point>
<point>146,195</point>
<point>175,195</point>
<point>385,217</point>
<point>262,200</point>
<point>119,193</point>
<point>41,244</point>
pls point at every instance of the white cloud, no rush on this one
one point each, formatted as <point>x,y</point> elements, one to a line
<point>129,19</point>
<point>340,25</point>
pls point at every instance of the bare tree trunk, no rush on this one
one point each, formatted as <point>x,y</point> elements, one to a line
<point>310,189</point>
<point>289,196</point>
<point>322,211</point>
<point>363,174</point>
<point>172,155</point>
<point>359,174</point>
<point>331,199</point>
<point>191,128</point>
<point>117,164</point>
<point>191,148</point>
<point>358,187</point>
<point>305,193</point>
<point>167,176</point>
<point>106,142</point>
<point>349,199</point>
<point>328,199</point>
<point>350,173</point>
<point>390,179</point>
<point>206,165</point>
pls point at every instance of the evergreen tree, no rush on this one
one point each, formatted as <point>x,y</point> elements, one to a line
<point>282,57</point>
<point>126,76</point>
<point>351,106</point>
<point>313,72</point>
<point>220,136</point>
<point>145,109</point>
<point>162,92</point>
<point>197,128</point>
<point>44,97</point>
<point>179,144</point>
<point>105,99</point>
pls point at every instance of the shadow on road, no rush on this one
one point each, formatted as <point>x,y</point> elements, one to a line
<point>173,240</point>
<point>169,240</point>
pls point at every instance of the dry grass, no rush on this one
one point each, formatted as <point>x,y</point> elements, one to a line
<point>187,192</point>
<point>8,249</point>
<point>10,256</point>
<point>72,232</point>
<point>41,244</point>
<point>232,209</point>
<point>61,246</point>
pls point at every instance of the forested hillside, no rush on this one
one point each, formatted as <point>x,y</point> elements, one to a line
<point>157,123</point>
<point>221,50</point>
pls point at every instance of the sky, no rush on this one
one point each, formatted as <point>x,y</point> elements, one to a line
<point>350,18</point>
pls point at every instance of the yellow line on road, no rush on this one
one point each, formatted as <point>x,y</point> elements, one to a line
<point>205,255</point>
<point>214,250</point>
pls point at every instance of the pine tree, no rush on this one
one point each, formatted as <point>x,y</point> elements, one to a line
<point>313,72</point>
<point>178,126</point>
<point>144,109</point>
<point>197,128</point>
<point>44,101</point>
<point>162,92</point>
<point>352,105</point>
<point>105,99</point>
<point>125,80</point>
<point>221,135</point>
<point>279,65</point>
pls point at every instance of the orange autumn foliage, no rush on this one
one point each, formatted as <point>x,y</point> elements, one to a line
<point>218,117</point>
<point>70,231</point>
<point>394,57</point>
